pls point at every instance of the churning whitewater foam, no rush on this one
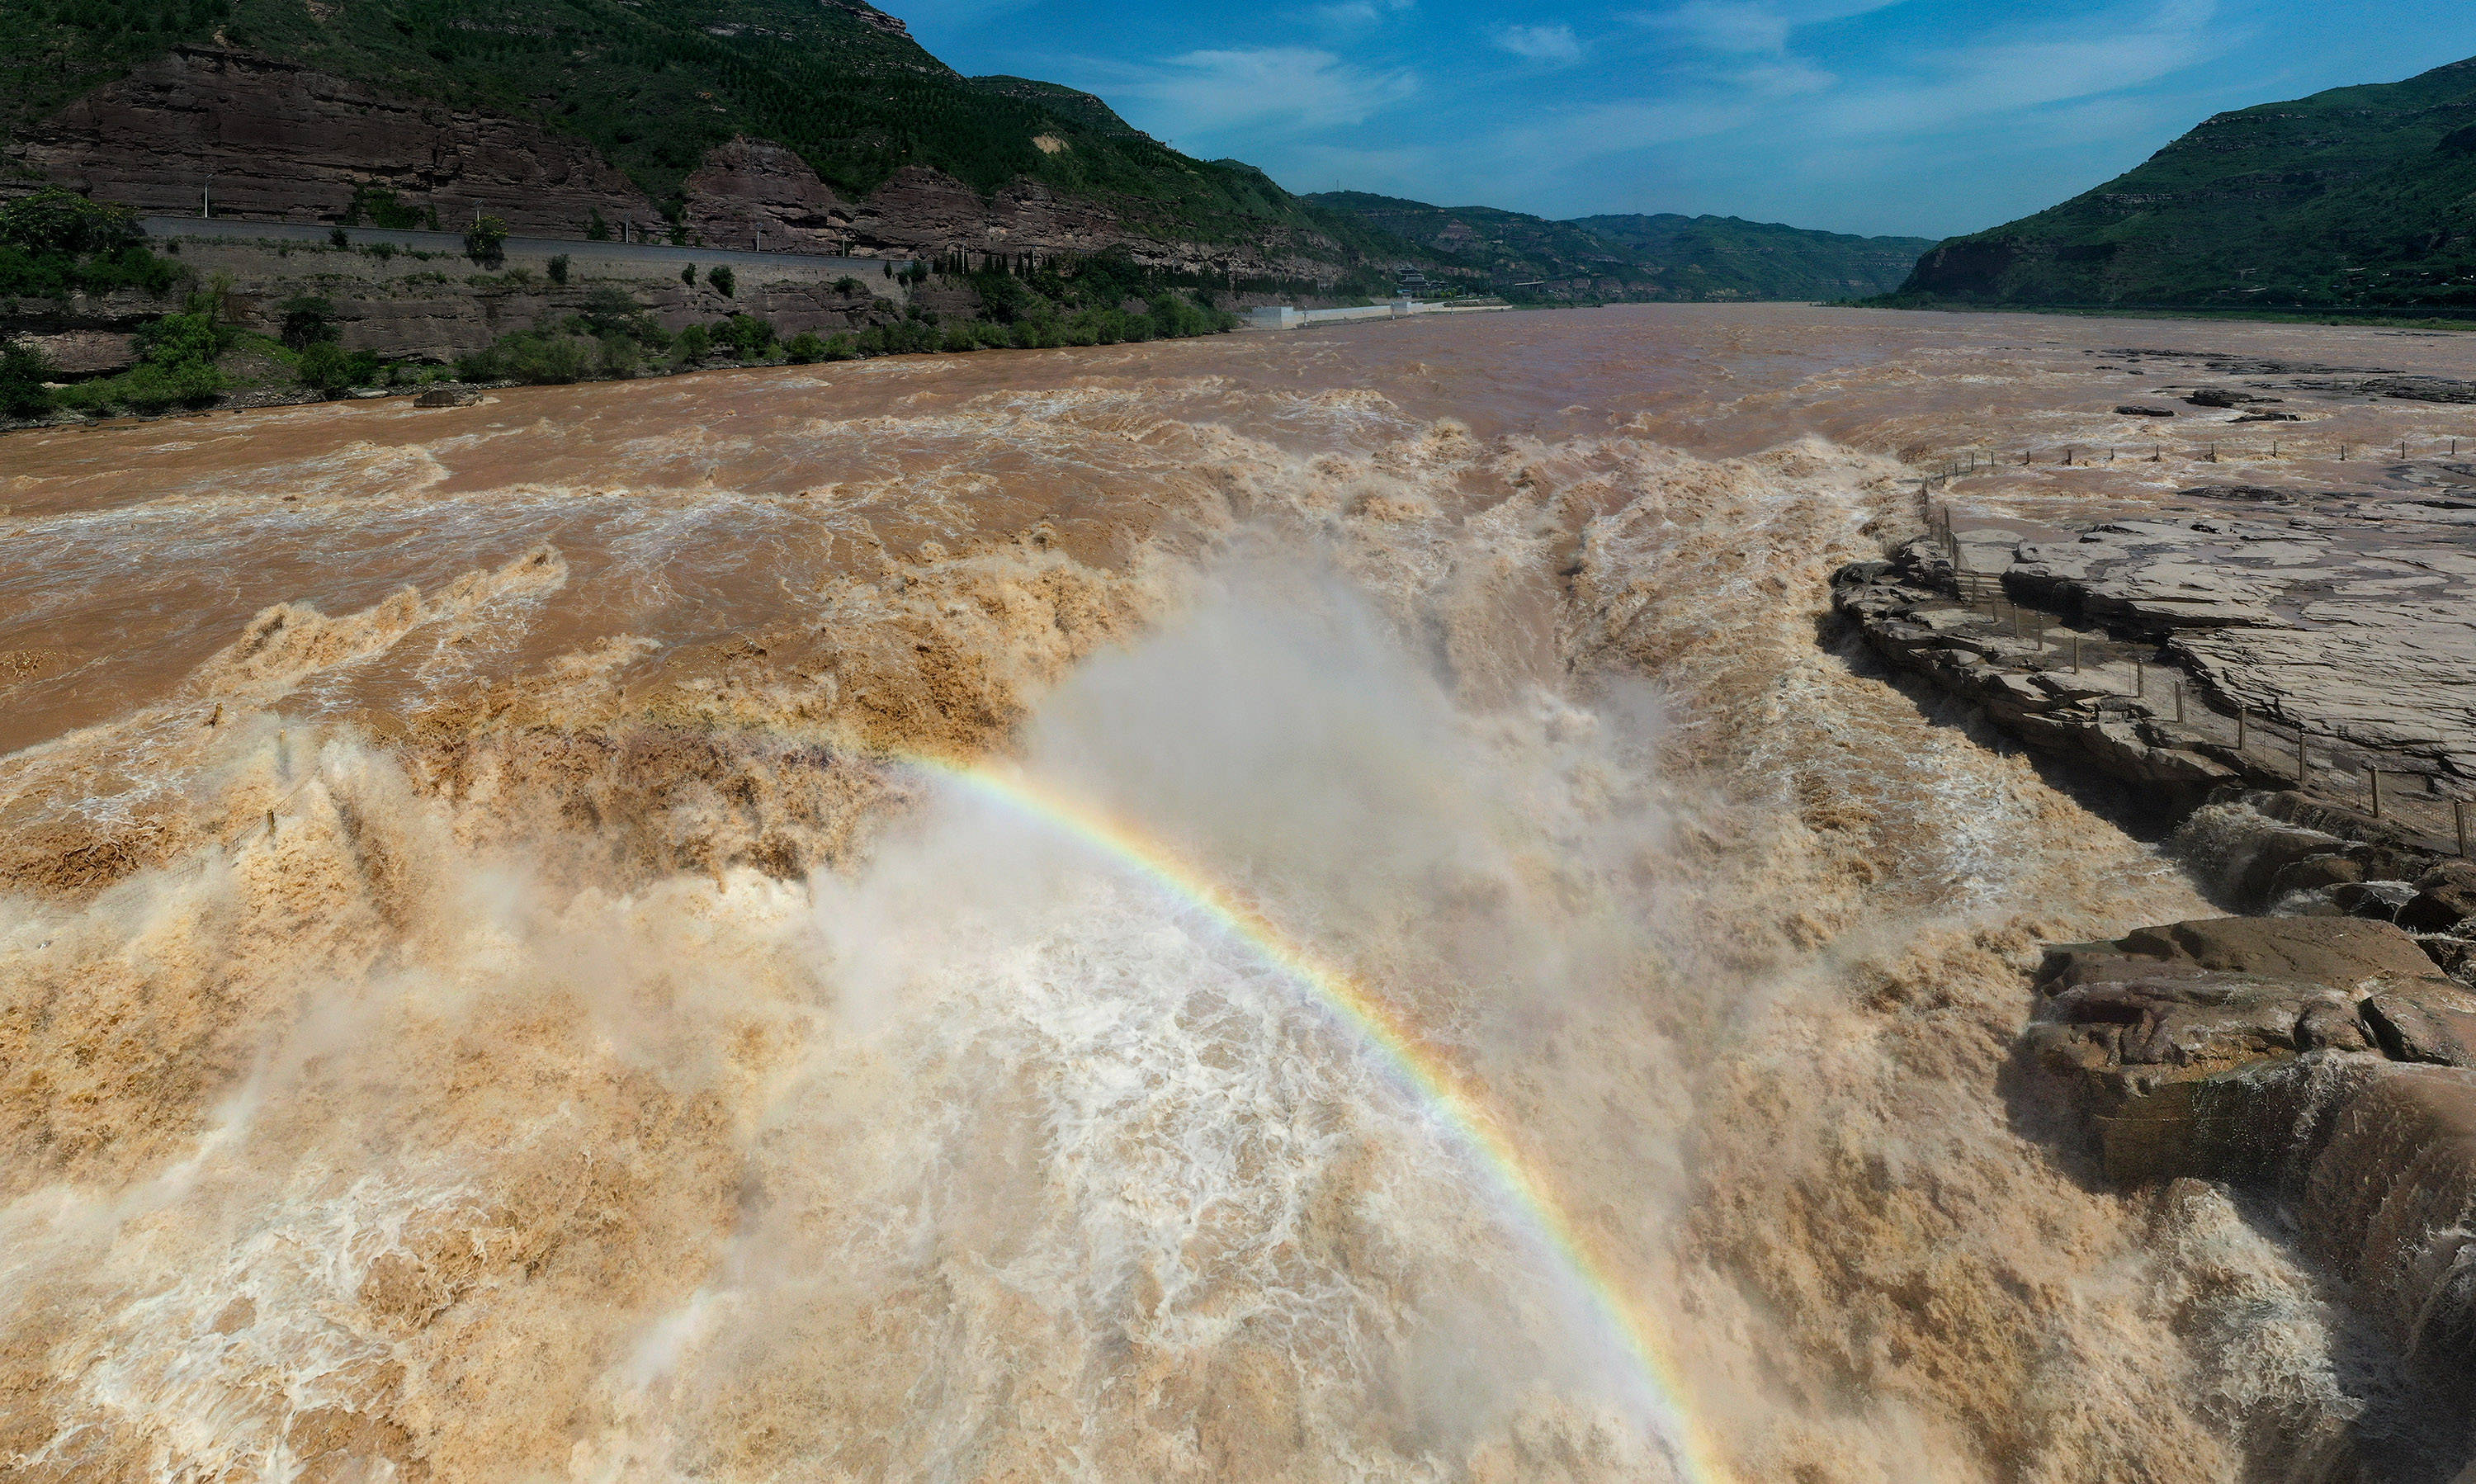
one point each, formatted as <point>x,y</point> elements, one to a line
<point>1421,969</point>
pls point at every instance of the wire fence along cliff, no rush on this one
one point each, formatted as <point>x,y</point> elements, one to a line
<point>2141,678</point>
<point>1951,465</point>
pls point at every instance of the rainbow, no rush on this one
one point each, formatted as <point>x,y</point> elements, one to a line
<point>1425,1069</point>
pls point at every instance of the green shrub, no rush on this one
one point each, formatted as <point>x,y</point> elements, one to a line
<point>691,345</point>
<point>23,275</point>
<point>957,339</point>
<point>613,311</point>
<point>23,371</point>
<point>550,359</point>
<point>379,208</point>
<point>725,283</point>
<point>556,268</point>
<point>841,347</point>
<point>56,242</point>
<point>750,338</point>
<point>596,229</point>
<point>149,386</point>
<point>687,275</point>
<point>132,267</point>
<point>850,286</point>
<point>530,357</point>
<point>196,336</point>
<point>326,367</point>
<point>804,348</point>
<point>336,237</point>
<point>619,358</point>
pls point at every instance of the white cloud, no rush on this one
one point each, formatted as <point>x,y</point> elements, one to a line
<point>1352,14</point>
<point>1540,44</point>
<point>1725,25</point>
<point>1298,86</point>
<point>1739,26</point>
<point>2009,76</point>
<point>1783,78</point>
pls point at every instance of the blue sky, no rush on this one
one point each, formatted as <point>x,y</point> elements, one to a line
<point>1917,116</point>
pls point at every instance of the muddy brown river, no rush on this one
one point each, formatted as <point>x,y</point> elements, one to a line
<point>1304,907</point>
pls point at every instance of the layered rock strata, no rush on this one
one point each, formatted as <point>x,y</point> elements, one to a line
<point>277,142</point>
<point>272,140</point>
<point>2359,634</point>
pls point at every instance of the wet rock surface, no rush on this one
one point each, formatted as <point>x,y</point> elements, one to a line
<point>2326,1063</point>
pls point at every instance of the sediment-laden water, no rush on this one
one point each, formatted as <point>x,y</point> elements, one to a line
<point>804,925</point>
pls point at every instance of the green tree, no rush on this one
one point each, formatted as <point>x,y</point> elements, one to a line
<point>486,243</point>
<point>722,280</point>
<point>23,371</point>
<point>556,268</point>
<point>804,348</point>
<point>687,275</point>
<point>58,220</point>
<point>596,229</point>
<point>308,320</point>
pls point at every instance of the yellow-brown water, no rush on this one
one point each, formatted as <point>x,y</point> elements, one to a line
<point>483,998</point>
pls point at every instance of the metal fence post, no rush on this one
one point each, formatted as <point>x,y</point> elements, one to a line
<point>2139,679</point>
<point>2458,817</point>
<point>2376,775</point>
<point>2179,703</point>
<point>2239,727</point>
<point>2301,768</point>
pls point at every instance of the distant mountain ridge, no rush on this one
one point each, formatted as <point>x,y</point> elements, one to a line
<point>2354,198</point>
<point>1730,258</point>
<point>1663,256</point>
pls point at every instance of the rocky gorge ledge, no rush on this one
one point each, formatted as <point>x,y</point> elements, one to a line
<point>2293,694</point>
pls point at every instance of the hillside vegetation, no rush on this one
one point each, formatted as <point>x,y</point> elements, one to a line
<point>1729,258</point>
<point>656,83</point>
<point>1641,257</point>
<point>2361,198</point>
<point>1501,251</point>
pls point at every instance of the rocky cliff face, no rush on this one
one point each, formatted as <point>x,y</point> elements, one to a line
<point>750,187</point>
<point>275,142</point>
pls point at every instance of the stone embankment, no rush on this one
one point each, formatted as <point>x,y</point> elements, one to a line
<point>2299,682</point>
<point>416,294</point>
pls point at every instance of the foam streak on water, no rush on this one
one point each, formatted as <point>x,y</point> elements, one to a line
<point>524,1028</point>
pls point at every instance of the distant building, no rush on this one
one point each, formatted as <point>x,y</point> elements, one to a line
<point>1414,285</point>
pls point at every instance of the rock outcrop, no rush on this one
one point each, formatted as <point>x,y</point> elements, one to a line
<point>2323,1062</point>
<point>2360,631</point>
<point>750,187</point>
<point>2053,695</point>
